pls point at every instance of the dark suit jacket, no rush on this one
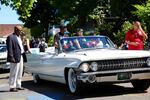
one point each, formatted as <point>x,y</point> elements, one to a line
<point>13,49</point>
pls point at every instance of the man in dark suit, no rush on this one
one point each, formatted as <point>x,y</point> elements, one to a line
<point>14,56</point>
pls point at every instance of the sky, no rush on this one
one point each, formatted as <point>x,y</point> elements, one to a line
<point>8,16</point>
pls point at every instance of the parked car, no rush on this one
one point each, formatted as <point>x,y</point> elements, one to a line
<point>90,59</point>
<point>3,57</point>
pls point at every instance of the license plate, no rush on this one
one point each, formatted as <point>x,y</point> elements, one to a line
<point>124,76</point>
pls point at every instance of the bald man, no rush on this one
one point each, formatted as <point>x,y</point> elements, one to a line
<point>14,56</point>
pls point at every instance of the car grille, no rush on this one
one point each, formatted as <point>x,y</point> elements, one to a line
<point>3,61</point>
<point>122,64</point>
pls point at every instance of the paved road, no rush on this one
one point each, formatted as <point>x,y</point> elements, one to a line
<point>55,91</point>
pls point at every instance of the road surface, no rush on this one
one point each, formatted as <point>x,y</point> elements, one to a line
<point>55,91</point>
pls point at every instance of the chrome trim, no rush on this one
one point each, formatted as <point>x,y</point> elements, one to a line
<point>116,71</point>
<point>148,62</point>
<point>122,64</point>
<point>84,77</point>
<point>113,78</point>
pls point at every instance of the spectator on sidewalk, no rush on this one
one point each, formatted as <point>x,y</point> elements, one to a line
<point>14,56</point>
<point>135,37</point>
<point>43,45</point>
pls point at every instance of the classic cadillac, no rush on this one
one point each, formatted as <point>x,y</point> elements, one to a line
<point>90,59</point>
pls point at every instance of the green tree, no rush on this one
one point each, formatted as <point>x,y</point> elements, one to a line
<point>42,14</point>
<point>106,15</point>
<point>79,12</point>
<point>23,5</point>
<point>143,13</point>
<point>120,35</point>
<point>122,9</point>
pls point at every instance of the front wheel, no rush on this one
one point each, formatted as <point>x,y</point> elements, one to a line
<point>141,85</point>
<point>73,83</point>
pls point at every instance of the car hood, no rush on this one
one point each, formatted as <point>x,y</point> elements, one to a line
<point>103,54</point>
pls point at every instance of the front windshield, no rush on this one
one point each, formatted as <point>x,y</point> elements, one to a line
<point>85,42</point>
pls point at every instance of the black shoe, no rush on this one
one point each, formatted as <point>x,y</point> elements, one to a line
<point>13,90</point>
<point>20,88</point>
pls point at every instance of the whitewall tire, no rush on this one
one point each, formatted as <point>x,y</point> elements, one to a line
<point>73,83</point>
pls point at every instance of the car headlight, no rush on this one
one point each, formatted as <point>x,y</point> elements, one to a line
<point>7,63</point>
<point>94,66</point>
<point>148,62</point>
<point>84,67</point>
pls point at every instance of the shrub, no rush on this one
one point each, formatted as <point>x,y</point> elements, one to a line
<point>120,35</point>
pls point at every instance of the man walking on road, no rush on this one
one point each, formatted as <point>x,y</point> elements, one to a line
<point>14,56</point>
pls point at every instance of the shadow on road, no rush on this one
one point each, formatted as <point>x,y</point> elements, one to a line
<point>50,89</point>
<point>59,91</point>
<point>3,91</point>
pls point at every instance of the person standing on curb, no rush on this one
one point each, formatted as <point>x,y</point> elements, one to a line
<point>14,56</point>
<point>43,45</point>
<point>135,37</point>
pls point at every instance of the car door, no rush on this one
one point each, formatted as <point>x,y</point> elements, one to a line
<point>53,64</point>
<point>46,63</point>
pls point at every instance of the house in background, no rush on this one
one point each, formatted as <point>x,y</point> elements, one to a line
<point>7,29</point>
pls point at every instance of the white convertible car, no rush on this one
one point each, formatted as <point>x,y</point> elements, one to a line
<point>90,59</point>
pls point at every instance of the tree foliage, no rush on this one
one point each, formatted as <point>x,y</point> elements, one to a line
<point>79,12</point>
<point>42,14</point>
<point>143,13</point>
<point>120,35</point>
<point>123,10</point>
<point>24,6</point>
<point>104,15</point>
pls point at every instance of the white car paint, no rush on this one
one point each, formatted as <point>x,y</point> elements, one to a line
<point>51,66</point>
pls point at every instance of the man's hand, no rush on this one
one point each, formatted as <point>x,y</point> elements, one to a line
<point>13,60</point>
<point>56,45</point>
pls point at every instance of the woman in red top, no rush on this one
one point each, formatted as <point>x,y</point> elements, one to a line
<point>135,37</point>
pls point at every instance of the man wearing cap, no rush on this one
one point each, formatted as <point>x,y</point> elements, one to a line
<point>58,36</point>
<point>79,32</point>
<point>14,56</point>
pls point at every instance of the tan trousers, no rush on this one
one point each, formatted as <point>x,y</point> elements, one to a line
<point>16,70</point>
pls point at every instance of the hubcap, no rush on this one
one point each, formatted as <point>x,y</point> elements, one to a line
<point>72,80</point>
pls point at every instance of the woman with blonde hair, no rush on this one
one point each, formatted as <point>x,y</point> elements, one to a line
<point>135,37</point>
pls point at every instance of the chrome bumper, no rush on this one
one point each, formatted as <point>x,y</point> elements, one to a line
<point>113,76</point>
